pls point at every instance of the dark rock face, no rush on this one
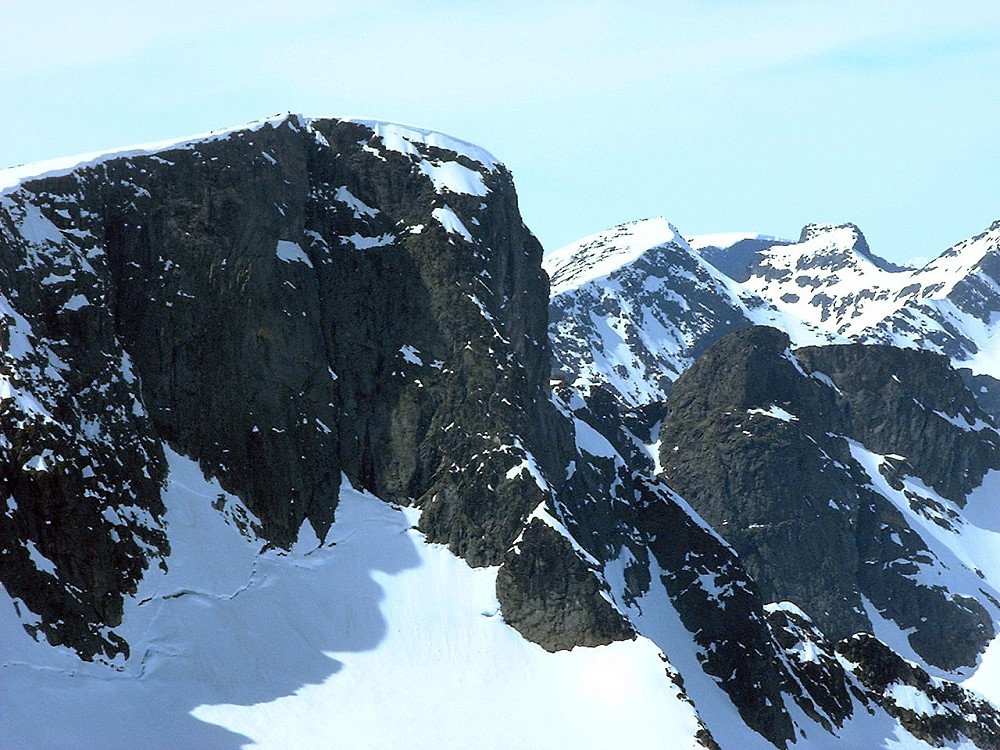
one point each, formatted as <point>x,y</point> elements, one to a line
<point>771,486</point>
<point>898,685</point>
<point>552,596</point>
<point>986,390</point>
<point>754,439</point>
<point>297,301</point>
<point>900,401</point>
<point>80,465</point>
<point>300,365</point>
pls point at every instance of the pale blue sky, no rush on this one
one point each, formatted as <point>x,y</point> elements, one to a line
<point>722,115</point>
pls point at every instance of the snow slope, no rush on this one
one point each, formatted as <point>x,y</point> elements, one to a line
<point>372,639</point>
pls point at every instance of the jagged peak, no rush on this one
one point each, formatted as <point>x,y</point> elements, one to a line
<point>810,231</point>
<point>838,245</point>
<point>846,237</point>
<point>603,253</point>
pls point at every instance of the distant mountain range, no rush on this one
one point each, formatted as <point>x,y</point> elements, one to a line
<point>303,443</point>
<point>679,295</point>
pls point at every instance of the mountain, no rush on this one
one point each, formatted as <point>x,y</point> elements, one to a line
<point>855,450</point>
<point>629,318</point>
<point>783,438</point>
<point>297,449</point>
<point>831,278</point>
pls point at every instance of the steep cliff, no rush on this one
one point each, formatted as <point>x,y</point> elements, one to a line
<point>284,303</point>
<point>847,450</point>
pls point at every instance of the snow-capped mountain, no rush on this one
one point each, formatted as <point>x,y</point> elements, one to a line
<point>831,278</point>
<point>767,447</point>
<point>283,465</point>
<point>627,317</point>
<point>633,307</point>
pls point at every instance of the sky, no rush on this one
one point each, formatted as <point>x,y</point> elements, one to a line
<point>720,115</point>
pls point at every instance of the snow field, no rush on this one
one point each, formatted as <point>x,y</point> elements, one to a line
<point>372,639</point>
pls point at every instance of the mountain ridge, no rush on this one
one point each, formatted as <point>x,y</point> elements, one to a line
<point>323,345</point>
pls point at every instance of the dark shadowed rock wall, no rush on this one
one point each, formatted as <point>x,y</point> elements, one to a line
<point>294,302</point>
<point>758,440</point>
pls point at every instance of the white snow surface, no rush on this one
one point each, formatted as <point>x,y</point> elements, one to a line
<point>372,638</point>
<point>775,412</point>
<point>451,223</point>
<point>361,242</point>
<point>411,354</point>
<point>291,252</point>
<point>963,540</point>
<point>454,177</point>
<point>407,139</point>
<point>599,254</point>
<point>986,680</point>
<point>358,206</point>
<point>828,281</point>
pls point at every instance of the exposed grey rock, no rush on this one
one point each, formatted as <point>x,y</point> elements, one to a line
<point>781,486</point>
<point>900,401</point>
<point>552,597</point>
<point>297,301</point>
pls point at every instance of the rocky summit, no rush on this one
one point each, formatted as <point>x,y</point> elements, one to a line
<point>304,443</point>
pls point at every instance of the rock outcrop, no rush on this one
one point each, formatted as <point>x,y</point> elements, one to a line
<point>768,446</point>
<point>284,303</point>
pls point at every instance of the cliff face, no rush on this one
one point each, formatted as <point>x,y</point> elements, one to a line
<point>80,462</point>
<point>821,466</point>
<point>283,304</point>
